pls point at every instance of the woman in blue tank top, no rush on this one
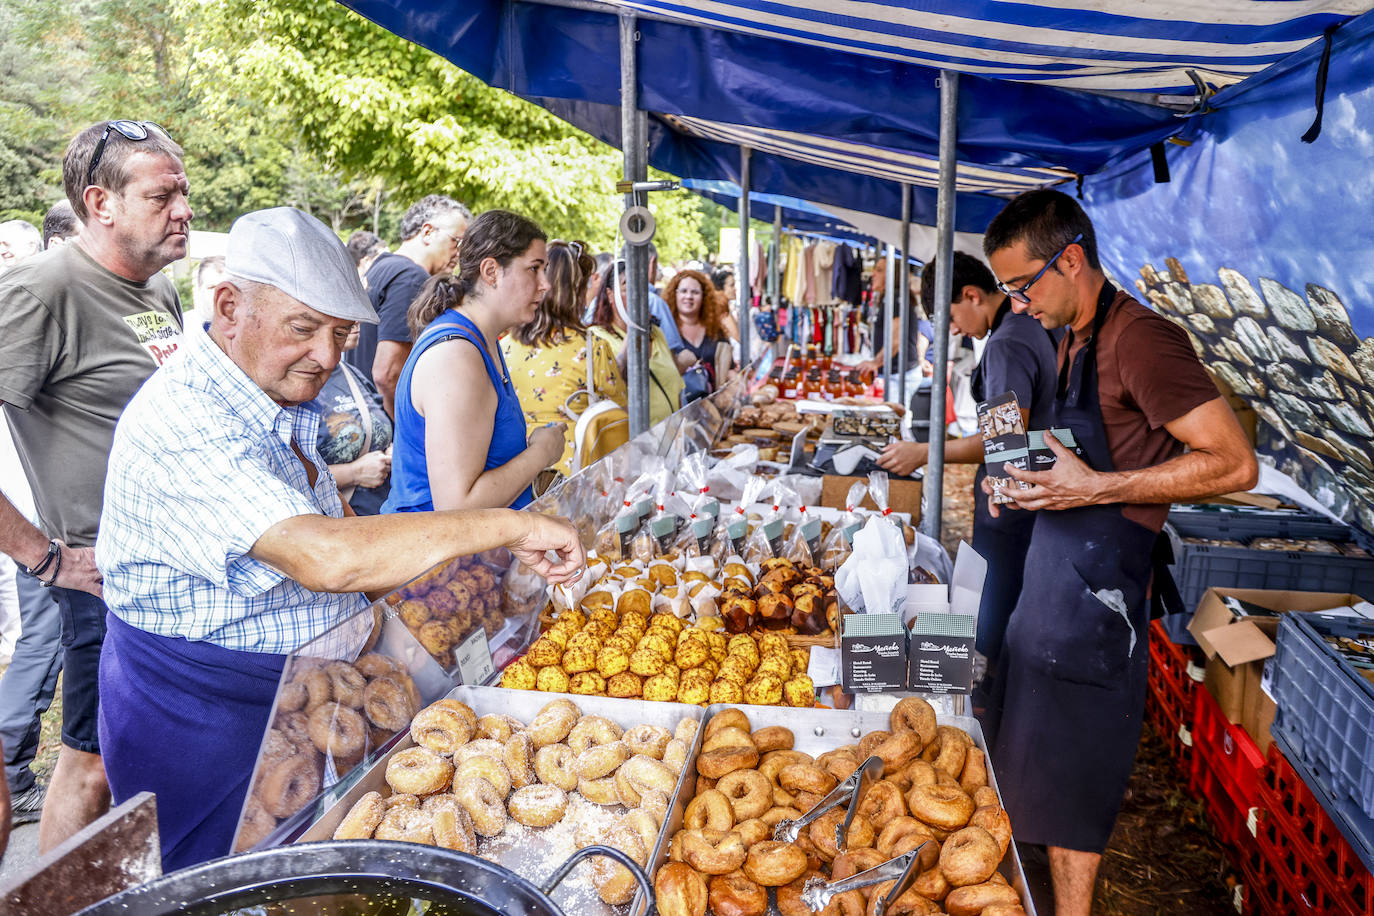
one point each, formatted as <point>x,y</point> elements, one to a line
<point>460,440</point>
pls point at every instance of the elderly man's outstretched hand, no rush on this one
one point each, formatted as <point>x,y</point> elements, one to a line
<point>548,534</point>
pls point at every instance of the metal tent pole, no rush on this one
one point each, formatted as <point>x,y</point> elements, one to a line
<point>905,307</point>
<point>944,281</point>
<point>888,313</point>
<point>775,265</point>
<point>746,294</point>
<point>633,136</point>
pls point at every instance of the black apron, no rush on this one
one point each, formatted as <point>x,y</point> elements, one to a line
<point>1071,693</point>
<point>1002,541</point>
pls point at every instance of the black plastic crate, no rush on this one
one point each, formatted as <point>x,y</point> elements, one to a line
<point>1200,567</point>
<point>1325,708</point>
<point>1241,523</point>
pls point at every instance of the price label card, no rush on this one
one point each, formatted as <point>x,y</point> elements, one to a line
<point>474,658</point>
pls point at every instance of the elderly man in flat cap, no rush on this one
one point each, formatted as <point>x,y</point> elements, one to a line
<point>224,543</point>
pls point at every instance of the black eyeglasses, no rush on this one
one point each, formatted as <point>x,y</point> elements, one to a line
<point>1019,294</point>
<point>130,130</point>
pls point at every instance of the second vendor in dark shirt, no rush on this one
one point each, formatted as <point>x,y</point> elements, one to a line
<point>1018,357</point>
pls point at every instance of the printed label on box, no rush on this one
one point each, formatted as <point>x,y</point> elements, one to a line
<point>873,651</point>
<point>940,653</point>
<point>474,658</point>
<point>1004,444</point>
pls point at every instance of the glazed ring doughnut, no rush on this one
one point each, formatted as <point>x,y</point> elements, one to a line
<point>553,764</point>
<point>806,777</point>
<point>374,665</point>
<point>294,696</point>
<point>954,745</point>
<point>717,763</point>
<point>481,747</point>
<point>883,803</point>
<point>337,730</point>
<point>727,737</point>
<point>440,729</point>
<point>418,771</point>
<point>916,773</point>
<point>679,891</point>
<point>480,801</point>
<point>650,740</point>
<point>499,727</point>
<point>362,819</point>
<point>735,895</point>
<point>386,704</point>
<point>686,730</point>
<point>985,796</point>
<point>347,683</point>
<point>553,723</point>
<point>675,755</point>
<point>898,750</point>
<point>773,738</point>
<point>848,864</point>
<point>902,832</point>
<point>914,714</point>
<point>822,833</point>
<point>869,743</point>
<point>644,772</point>
<point>488,768</point>
<point>289,784</point>
<point>930,884</point>
<point>789,895</point>
<point>461,709</point>
<point>593,730</point>
<point>599,791</point>
<point>749,792</point>
<point>776,814</point>
<point>753,831</point>
<point>713,858</point>
<point>946,807</point>
<point>519,761</point>
<point>727,718</point>
<point>451,823</point>
<point>773,864</point>
<point>538,806</point>
<point>318,688</point>
<point>600,760</point>
<point>969,856</point>
<point>710,810</point>
<point>974,899</point>
<point>772,763</point>
<point>975,773</point>
<point>654,803</point>
<point>783,798</point>
<point>996,822</point>
<point>839,764</point>
<point>408,825</point>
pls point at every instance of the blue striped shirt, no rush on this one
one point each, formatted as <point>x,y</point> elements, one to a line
<point>202,467</point>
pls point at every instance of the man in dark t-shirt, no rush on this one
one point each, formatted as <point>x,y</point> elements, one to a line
<point>431,233</point>
<point>1153,430</point>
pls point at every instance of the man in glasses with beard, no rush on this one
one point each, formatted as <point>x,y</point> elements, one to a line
<point>81,329</point>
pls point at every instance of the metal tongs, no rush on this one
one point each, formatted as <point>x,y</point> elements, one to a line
<point>850,791</point>
<point>817,894</point>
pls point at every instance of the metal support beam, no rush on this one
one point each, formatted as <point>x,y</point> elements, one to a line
<point>905,307</point>
<point>746,294</point>
<point>633,137</point>
<point>933,494</point>
<point>888,314</point>
<point>775,265</point>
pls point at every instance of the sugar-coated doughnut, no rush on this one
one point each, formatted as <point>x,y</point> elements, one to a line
<point>451,823</point>
<point>686,730</point>
<point>654,803</point>
<point>599,791</point>
<point>552,724</point>
<point>480,801</point>
<point>946,807</point>
<point>469,715</point>
<point>481,747</point>
<point>592,731</point>
<point>914,714</point>
<point>773,864</point>
<point>734,894</point>
<point>679,891</point>
<point>488,768</point>
<point>408,825</point>
<point>318,687</point>
<point>293,697</point>
<point>749,792</point>
<point>538,806</point>
<point>615,883</point>
<point>675,754</point>
<point>362,819</point>
<point>374,665</point>
<point>519,760</point>
<point>498,726</point>
<point>644,824</point>
<point>288,784</point>
<point>387,704</point>
<point>337,730</point>
<point>347,683</point>
<point>440,728</point>
<point>553,763</point>
<point>650,740</point>
<point>624,789</point>
<point>600,760</point>
<point>418,771</point>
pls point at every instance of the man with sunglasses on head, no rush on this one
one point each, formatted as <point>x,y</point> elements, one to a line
<point>431,234</point>
<point>82,327</point>
<point>1152,430</point>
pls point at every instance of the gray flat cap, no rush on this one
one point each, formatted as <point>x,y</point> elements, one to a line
<point>299,255</point>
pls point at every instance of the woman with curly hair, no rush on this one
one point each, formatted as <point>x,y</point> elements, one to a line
<point>548,356</point>
<point>700,312</point>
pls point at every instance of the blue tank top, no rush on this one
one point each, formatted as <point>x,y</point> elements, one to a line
<point>409,467</point>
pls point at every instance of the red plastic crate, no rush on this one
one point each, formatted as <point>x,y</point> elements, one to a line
<point>1175,671</point>
<point>1266,893</point>
<point>1296,821</point>
<point>1176,734</point>
<point>1292,863</point>
<point>1228,749</point>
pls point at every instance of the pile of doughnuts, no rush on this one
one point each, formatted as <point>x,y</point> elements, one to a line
<point>934,788</point>
<point>447,603</point>
<point>467,774</point>
<point>328,709</point>
<point>621,649</point>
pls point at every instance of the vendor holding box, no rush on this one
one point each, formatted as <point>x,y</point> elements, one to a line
<point>1153,430</point>
<point>224,543</point>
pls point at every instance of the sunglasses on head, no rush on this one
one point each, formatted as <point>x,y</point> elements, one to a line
<point>130,130</point>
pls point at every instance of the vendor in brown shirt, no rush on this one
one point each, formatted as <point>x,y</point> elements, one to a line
<point>1151,429</point>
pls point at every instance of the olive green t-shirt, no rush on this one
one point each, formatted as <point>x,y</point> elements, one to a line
<point>76,343</point>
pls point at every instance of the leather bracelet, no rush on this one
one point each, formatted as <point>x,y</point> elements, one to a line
<point>54,552</point>
<point>56,571</point>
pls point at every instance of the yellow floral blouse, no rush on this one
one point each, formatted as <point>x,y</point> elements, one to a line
<point>545,378</point>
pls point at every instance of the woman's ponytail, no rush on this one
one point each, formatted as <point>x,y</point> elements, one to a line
<point>440,293</point>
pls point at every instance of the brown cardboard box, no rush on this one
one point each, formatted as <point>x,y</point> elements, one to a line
<point>904,495</point>
<point>1236,649</point>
